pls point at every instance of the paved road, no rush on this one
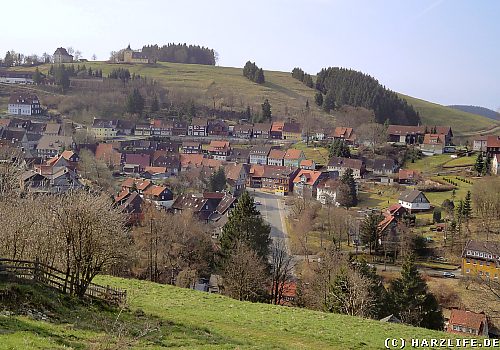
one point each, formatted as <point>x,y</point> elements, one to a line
<point>271,208</point>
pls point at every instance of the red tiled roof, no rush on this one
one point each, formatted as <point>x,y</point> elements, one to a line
<point>257,170</point>
<point>307,162</point>
<point>276,154</point>
<point>293,153</point>
<point>405,174</point>
<point>467,319</point>
<point>432,139</point>
<point>219,144</point>
<point>277,126</point>
<point>311,175</point>
<point>493,141</point>
<point>342,132</point>
<point>194,160</point>
<point>154,190</point>
<point>155,169</point>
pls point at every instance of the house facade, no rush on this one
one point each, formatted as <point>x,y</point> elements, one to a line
<point>479,144</point>
<point>259,154</point>
<point>276,157</point>
<point>469,323</point>
<point>292,131</point>
<point>61,55</point>
<point>261,131</point>
<point>481,260</point>
<point>293,157</point>
<point>341,164</point>
<point>198,127</point>
<point>21,103</point>
<point>306,182</point>
<point>219,150</point>
<point>414,201</point>
<point>131,56</point>
<point>433,144</point>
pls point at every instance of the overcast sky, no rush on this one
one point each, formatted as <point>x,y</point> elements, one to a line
<point>445,51</point>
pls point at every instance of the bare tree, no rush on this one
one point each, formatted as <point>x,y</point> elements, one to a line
<point>281,270</point>
<point>77,55</point>
<point>486,197</point>
<point>372,135</point>
<point>94,57</point>
<point>244,275</point>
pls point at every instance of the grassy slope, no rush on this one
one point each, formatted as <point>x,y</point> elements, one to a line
<point>285,93</point>
<point>181,318</point>
<point>461,122</point>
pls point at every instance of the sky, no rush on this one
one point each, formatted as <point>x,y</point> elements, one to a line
<point>444,51</point>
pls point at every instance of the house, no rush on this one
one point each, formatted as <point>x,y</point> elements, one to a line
<point>189,161</point>
<point>217,128</point>
<point>161,127</point>
<point>493,145</point>
<point>292,131</point>
<point>409,177</point>
<point>236,175</point>
<point>277,130</point>
<point>51,145</point>
<point>495,164</point>
<point>24,103</point>
<point>384,166</point>
<point>53,129</point>
<point>15,137</point>
<point>61,55</point>
<point>259,154</point>
<point>262,131</point>
<point>191,147</point>
<point>293,157</point>
<point>50,179</point>
<point>219,150</point>
<point>198,127</point>
<point>465,322</point>
<point>341,164</point>
<point>131,56</point>
<point>142,130</point>
<point>16,77</point>
<point>209,206</point>
<point>240,155</point>
<point>179,128</point>
<point>276,157</point>
<point>481,260</point>
<point>326,191</point>
<point>104,129</point>
<point>480,143</point>
<point>125,127</point>
<point>277,179</point>
<point>414,200</point>
<point>306,182</point>
<point>243,131</point>
<point>136,162</point>
<point>288,293</point>
<point>108,154</point>
<point>433,144</point>
<point>131,204</point>
<point>171,162</point>
<point>136,185</point>
<point>409,135</point>
<point>155,173</point>
<point>160,196</point>
<point>308,164</point>
<point>345,134</point>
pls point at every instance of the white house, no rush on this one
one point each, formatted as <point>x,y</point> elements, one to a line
<point>326,192</point>
<point>414,200</point>
<point>21,103</point>
<point>495,164</point>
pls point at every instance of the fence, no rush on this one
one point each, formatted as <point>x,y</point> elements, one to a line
<point>41,273</point>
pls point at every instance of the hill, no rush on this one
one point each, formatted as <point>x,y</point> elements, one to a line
<point>485,112</point>
<point>463,123</point>
<point>166,316</point>
<point>228,87</point>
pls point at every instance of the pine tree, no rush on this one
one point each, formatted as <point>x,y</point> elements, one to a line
<point>318,98</point>
<point>248,113</point>
<point>259,76</point>
<point>487,164</point>
<point>349,198</point>
<point>155,105</point>
<point>467,206</point>
<point>135,102</point>
<point>266,111</point>
<point>369,230</point>
<point>217,181</point>
<point>479,166</point>
<point>329,101</point>
<point>338,148</point>
<point>414,304</point>
<point>245,224</point>
<point>37,77</point>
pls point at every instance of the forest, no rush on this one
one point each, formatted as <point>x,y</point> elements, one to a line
<point>348,87</point>
<point>181,53</point>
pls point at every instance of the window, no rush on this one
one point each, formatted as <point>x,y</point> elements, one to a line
<point>480,263</point>
<point>487,263</point>
<point>480,273</point>
<point>467,260</point>
<point>467,271</point>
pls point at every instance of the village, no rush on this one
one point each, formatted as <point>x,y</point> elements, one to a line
<point>294,171</point>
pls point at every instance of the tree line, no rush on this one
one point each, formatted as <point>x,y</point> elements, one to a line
<point>182,53</point>
<point>299,74</point>
<point>252,72</point>
<point>341,86</point>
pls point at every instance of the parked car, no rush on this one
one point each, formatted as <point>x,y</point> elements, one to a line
<point>257,203</point>
<point>448,275</point>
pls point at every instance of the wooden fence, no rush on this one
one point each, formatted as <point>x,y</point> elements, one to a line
<point>40,273</point>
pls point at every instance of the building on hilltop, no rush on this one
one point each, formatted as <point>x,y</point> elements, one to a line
<point>61,55</point>
<point>131,56</point>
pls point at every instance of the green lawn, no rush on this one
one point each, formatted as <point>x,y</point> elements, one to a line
<point>429,164</point>
<point>459,162</point>
<point>318,154</point>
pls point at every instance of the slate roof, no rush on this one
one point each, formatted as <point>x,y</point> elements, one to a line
<point>410,196</point>
<point>345,163</point>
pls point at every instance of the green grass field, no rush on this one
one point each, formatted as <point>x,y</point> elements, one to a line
<point>318,154</point>
<point>461,122</point>
<point>459,162</point>
<point>162,316</point>
<point>286,95</point>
